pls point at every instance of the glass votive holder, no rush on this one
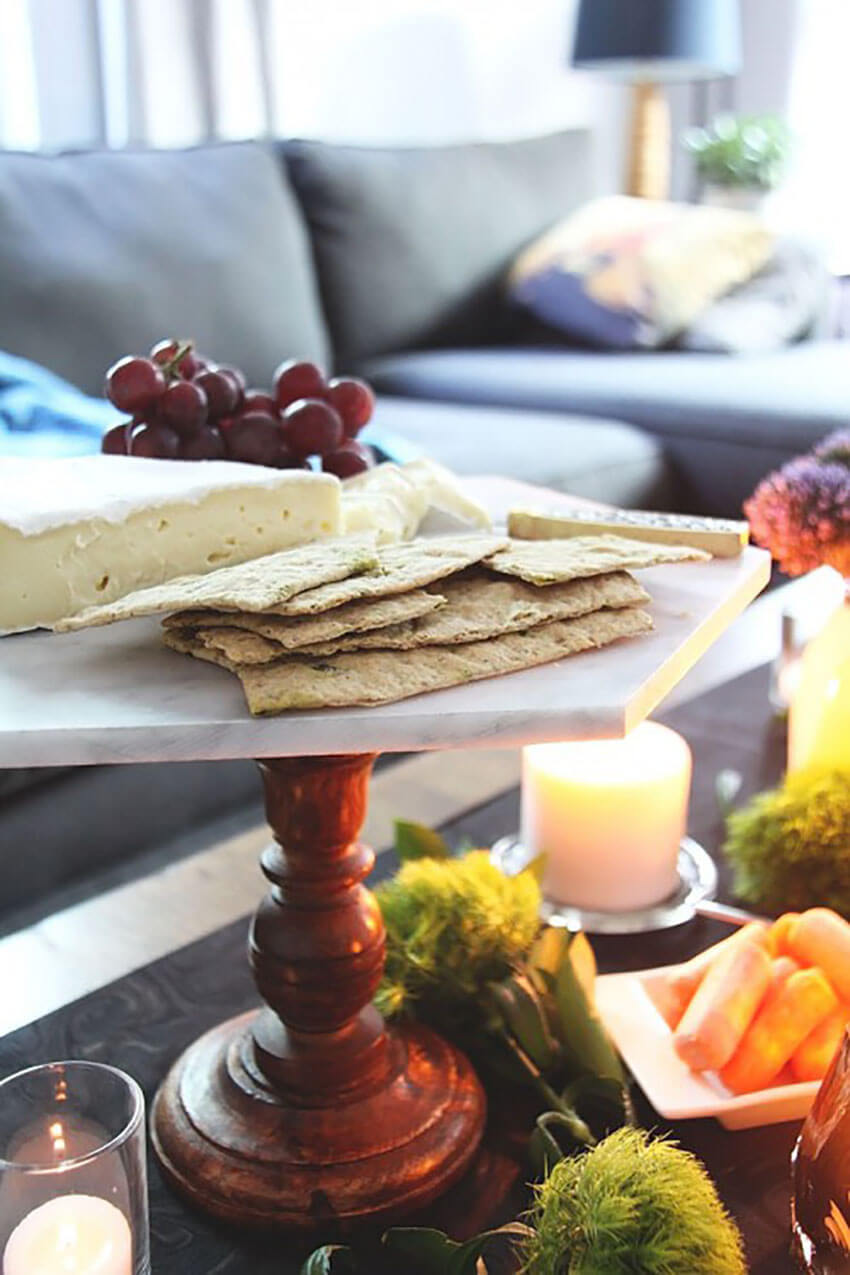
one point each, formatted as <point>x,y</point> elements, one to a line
<point>785,670</point>
<point>73,1181</point>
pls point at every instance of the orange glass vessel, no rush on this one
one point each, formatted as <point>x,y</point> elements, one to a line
<point>819,717</point>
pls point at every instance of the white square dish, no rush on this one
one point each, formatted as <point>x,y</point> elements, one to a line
<point>646,1043</point>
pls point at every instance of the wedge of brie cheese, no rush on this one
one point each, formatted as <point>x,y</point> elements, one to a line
<point>89,529</point>
<point>396,501</point>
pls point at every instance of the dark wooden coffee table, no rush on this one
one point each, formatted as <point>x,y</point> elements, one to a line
<point>143,1021</point>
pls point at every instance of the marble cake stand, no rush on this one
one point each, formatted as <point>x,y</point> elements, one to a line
<point>311,1110</point>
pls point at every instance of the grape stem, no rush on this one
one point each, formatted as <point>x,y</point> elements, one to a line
<point>171,368</point>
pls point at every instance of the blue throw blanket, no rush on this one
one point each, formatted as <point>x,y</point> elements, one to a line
<point>42,415</point>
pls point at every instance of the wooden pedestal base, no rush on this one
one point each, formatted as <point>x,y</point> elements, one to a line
<point>310,1111</point>
<point>238,1152</point>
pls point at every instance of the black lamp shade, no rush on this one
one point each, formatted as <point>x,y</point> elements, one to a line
<point>658,39</point>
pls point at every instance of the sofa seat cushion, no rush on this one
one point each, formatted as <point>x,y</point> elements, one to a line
<point>723,421</point>
<point>412,244</point>
<point>599,459</point>
<point>103,253</point>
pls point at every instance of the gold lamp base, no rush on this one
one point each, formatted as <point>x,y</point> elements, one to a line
<point>649,152</point>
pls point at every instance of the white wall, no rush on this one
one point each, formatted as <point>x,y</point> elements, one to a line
<point>422,71</point>
<point>170,72</point>
<point>770,35</point>
<point>816,198</point>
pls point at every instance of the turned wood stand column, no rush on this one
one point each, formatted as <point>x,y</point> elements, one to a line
<point>310,1110</point>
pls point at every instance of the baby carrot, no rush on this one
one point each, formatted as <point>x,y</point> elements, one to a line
<point>812,1058</point>
<point>723,1007</point>
<point>779,932</point>
<point>683,980</point>
<point>821,937</point>
<point>792,1008</point>
<point>781,969</point>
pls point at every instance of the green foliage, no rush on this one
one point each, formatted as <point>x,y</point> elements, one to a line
<point>790,847</point>
<point>434,1250</point>
<point>584,1042</point>
<point>330,1259</point>
<point>453,927</point>
<point>633,1205</point>
<point>466,954</point>
<point>430,1252</point>
<point>417,1250</point>
<point>741,151</point>
<point>416,841</point>
<point>546,1014</point>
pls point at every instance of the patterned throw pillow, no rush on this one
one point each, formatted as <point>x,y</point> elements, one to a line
<point>785,301</point>
<point>628,273</point>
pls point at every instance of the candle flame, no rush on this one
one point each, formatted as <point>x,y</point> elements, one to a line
<point>67,1237</point>
<point>57,1133</point>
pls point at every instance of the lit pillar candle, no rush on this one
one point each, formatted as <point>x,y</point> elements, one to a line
<point>609,816</point>
<point>71,1235</point>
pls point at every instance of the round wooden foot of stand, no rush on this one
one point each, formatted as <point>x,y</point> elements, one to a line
<point>310,1112</point>
<point>240,1153</point>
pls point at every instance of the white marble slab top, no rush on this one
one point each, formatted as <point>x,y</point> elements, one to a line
<point>116,694</point>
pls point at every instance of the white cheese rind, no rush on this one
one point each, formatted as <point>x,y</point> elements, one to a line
<point>136,536</point>
<point>38,494</point>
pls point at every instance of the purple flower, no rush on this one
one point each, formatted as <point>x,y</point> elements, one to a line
<point>802,512</point>
<point>835,447</point>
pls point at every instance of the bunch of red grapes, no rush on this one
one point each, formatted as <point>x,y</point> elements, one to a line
<point>184,407</point>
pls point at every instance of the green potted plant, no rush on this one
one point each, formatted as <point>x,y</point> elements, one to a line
<point>739,158</point>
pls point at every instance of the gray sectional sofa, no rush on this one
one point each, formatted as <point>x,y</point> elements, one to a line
<point>411,249</point>
<point>704,427</point>
<point>391,262</point>
<point>384,262</point>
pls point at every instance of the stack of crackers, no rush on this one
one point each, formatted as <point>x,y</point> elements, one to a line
<point>349,622</point>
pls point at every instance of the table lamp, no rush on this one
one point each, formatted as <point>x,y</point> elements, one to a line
<point>649,43</point>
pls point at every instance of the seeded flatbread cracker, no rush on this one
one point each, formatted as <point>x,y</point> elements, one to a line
<point>257,585</point>
<point>400,568</point>
<point>477,607</point>
<point>237,645</point>
<point>187,642</point>
<point>354,617</point>
<point>543,562</point>
<point>381,677</point>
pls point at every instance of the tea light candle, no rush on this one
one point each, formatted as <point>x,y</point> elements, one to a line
<point>609,816</point>
<point>71,1235</point>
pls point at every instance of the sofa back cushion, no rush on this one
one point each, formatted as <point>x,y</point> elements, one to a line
<point>412,245</point>
<point>102,253</point>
